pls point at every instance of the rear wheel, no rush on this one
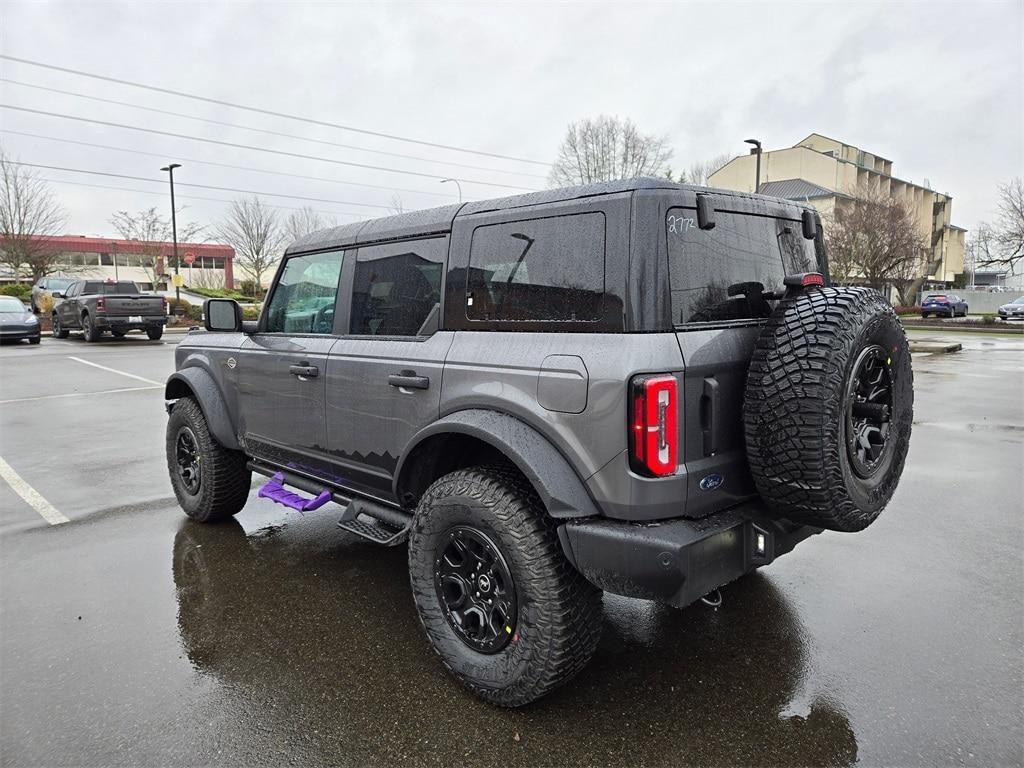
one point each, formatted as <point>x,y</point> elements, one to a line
<point>155,332</point>
<point>210,481</point>
<point>828,408</point>
<point>59,332</point>
<point>89,329</point>
<point>509,616</point>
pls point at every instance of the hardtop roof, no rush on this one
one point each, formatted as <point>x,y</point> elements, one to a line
<point>439,220</point>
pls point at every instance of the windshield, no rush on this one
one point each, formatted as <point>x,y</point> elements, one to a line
<point>59,283</point>
<point>106,289</point>
<point>10,304</point>
<point>1019,301</point>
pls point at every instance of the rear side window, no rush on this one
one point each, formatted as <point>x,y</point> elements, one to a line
<point>304,297</point>
<point>719,275</point>
<point>397,287</point>
<point>541,269</point>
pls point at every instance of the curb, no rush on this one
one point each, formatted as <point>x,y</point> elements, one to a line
<point>935,347</point>
<point>1003,328</point>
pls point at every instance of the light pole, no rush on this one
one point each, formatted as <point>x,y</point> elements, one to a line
<point>456,181</point>
<point>174,230</point>
<point>757,151</point>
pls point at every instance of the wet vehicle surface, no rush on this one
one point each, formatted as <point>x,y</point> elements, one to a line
<point>133,636</point>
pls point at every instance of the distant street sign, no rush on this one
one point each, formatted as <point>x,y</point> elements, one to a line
<point>189,258</point>
<point>177,280</point>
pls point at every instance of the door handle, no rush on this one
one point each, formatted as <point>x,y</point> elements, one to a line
<point>408,380</point>
<point>709,415</point>
<point>304,371</point>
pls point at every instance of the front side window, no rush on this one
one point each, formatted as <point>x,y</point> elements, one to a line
<point>541,269</point>
<point>304,297</point>
<point>397,287</point>
<point>720,274</point>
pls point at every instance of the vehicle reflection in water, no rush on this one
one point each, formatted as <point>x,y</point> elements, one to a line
<point>315,636</point>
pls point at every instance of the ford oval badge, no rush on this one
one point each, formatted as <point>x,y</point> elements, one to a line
<point>710,482</point>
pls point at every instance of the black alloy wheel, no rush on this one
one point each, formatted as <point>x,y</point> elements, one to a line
<point>187,455</point>
<point>868,410</point>
<point>475,589</point>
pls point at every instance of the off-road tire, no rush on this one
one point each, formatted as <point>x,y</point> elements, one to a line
<point>59,332</point>
<point>89,329</point>
<point>558,622</point>
<point>796,405</point>
<point>224,479</point>
<point>155,333</point>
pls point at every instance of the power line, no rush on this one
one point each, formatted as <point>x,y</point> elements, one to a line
<point>252,148</point>
<point>199,186</point>
<point>222,165</point>
<point>272,113</point>
<point>190,197</point>
<point>267,131</point>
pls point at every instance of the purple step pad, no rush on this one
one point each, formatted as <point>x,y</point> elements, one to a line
<point>277,493</point>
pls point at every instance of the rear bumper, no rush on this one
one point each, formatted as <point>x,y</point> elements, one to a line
<point>124,323</point>
<point>677,561</point>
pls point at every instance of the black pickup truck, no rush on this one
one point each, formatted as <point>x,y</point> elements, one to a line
<point>95,306</point>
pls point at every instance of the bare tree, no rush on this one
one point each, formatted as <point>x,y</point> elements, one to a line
<point>606,148</point>
<point>875,239</point>
<point>980,250</point>
<point>304,222</point>
<point>254,230</point>
<point>396,206</point>
<point>30,217</point>
<point>1003,241</point>
<point>700,172</point>
<point>153,231</point>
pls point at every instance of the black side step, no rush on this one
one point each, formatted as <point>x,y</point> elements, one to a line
<point>375,522</point>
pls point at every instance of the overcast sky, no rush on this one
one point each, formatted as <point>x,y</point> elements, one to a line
<point>935,87</point>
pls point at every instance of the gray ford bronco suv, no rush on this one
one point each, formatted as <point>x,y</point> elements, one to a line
<point>636,387</point>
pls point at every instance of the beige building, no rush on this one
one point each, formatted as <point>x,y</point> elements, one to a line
<point>823,172</point>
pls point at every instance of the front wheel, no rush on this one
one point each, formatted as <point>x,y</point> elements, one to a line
<point>509,616</point>
<point>155,332</point>
<point>59,331</point>
<point>210,481</point>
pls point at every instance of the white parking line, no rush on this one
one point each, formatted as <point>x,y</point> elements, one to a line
<point>114,370</point>
<point>31,496</point>
<point>79,394</point>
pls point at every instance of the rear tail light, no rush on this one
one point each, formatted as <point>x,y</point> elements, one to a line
<point>101,303</point>
<point>654,440</point>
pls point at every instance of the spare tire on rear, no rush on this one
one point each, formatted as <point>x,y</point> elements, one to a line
<point>828,408</point>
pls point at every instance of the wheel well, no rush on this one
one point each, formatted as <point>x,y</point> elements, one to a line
<point>437,456</point>
<point>176,389</point>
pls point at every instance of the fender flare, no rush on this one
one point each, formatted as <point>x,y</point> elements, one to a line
<point>199,384</point>
<point>559,486</point>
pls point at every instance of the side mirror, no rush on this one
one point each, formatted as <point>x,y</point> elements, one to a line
<point>810,225</point>
<point>222,315</point>
<point>57,294</point>
<point>705,212</point>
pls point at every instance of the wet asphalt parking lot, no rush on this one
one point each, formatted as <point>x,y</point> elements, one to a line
<point>130,636</point>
